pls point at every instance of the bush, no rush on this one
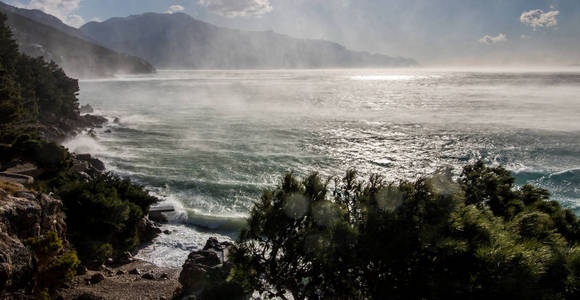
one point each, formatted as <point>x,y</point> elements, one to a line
<point>45,154</point>
<point>476,238</point>
<point>55,265</point>
<point>102,216</point>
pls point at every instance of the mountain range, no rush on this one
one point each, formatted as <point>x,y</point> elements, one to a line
<point>39,34</point>
<point>180,41</point>
<point>141,43</point>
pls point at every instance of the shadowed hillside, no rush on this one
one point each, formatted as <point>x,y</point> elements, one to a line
<point>180,41</point>
<point>53,40</point>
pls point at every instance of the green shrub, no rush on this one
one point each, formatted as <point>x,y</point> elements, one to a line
<point>476,238</point>
<point>102,216</point>
<point>55,265</point>
<point>45,154</point>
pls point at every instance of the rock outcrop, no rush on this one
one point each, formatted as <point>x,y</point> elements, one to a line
<point>86,109</point>
<point>147,230</point>
<point>24,214</point>
<point>204,274</point>
<point>87,166</point>
<point>58,129</point>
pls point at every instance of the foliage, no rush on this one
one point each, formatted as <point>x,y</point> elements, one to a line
<point>475,238</point>
<point>32,91</point>
<point>102,215</point>
<point>45,154</point>
<point>55,265</point>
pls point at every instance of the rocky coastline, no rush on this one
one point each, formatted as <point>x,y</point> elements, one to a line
<point>26,213</point>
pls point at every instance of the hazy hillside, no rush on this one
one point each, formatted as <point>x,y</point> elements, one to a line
<point>46,36</point>
<point>43,18</point>
<point>180,41</point>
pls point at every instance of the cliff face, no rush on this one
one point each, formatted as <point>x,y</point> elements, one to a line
<point>24,214</point>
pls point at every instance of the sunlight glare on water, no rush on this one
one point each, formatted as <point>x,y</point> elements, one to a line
<point>211,141</point>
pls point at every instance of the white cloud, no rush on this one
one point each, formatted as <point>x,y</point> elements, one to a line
<point>62,9</point>
<point>490,40</point>
<point>538,18</point>
<point>238,8</point>
<point>175,8</point>
<point>525,37</point>
<point>74,20</point>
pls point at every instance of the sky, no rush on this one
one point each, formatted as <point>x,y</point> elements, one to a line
<point>435,32</point>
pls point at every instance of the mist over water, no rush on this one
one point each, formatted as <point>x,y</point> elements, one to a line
<point>209,142</point>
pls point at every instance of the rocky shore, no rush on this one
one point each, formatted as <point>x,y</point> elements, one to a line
<point>58,129</point>
<point>203,276</point>
<point>27,214</point>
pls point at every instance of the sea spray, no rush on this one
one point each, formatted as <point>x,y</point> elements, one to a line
<point>208,143</point>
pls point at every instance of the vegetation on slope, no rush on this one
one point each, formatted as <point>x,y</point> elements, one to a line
<point>479,237</point>
<point>102,211</point>
<point>32,90</point>
<point>42,35</point>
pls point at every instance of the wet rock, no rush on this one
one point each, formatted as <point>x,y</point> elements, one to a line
<point>164,276</point>
<point>120,272</point>
<point>80,166</point>
<point>83,157</point>
<point>147,230</point>
<point>92,133</point>
<point>91,121</point>
<point>148,276</point>
<point>213,244</point>
<point>157,217</point>
<point>116,120</point>
<point>91,162</point>
<point>86,109</point>
<point>167,232</point>
<point>97,164</point>
<point>96,278</point>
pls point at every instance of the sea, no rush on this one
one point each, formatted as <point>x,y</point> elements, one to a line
<point>208,143</point>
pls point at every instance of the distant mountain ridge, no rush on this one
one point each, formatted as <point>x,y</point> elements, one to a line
<point>39,34</point>
<point>180,41</point>
<point>43,18</point>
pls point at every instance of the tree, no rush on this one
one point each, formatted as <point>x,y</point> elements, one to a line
<point>477,238</point>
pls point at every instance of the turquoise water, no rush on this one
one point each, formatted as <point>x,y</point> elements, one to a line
<point>208,142</point>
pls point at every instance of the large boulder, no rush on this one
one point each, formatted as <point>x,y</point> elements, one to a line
<point>147,230</point>
<point>205,272</point>
<point>89,164</point>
